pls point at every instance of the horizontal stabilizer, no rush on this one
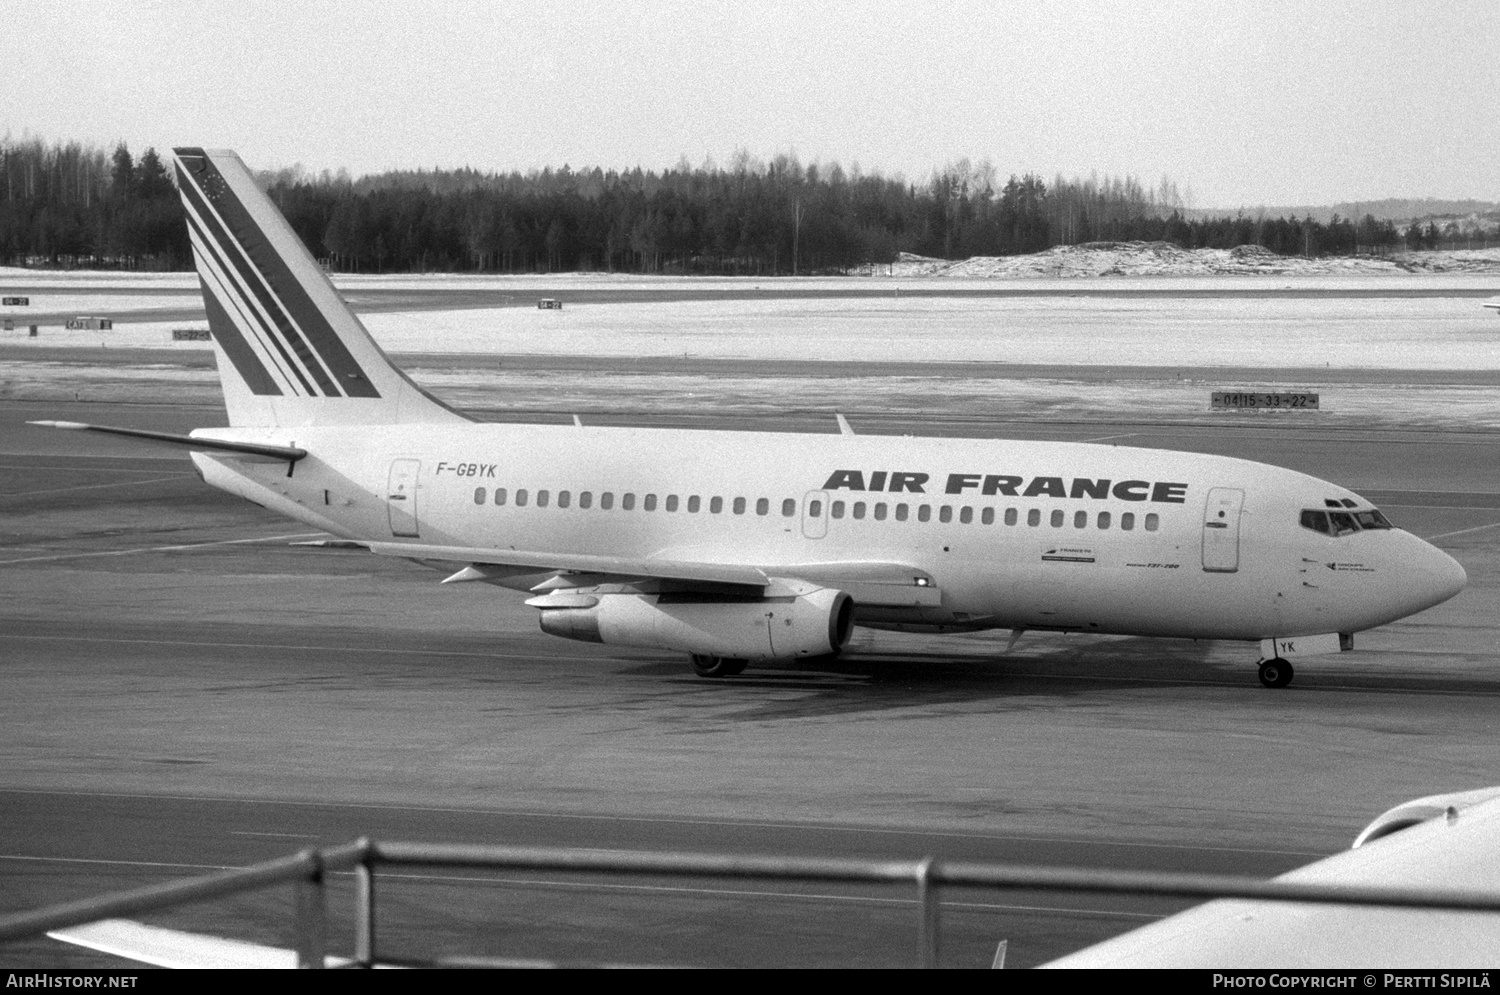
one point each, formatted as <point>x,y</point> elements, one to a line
<point>291,453</point>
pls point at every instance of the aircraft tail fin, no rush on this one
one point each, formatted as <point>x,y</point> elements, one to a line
<point>290,352</point>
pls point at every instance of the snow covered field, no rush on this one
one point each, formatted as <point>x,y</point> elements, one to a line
<point>1180,327</point>
<point>1335,331</point>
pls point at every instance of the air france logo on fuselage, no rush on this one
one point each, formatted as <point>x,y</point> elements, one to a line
<point>1010,485</point>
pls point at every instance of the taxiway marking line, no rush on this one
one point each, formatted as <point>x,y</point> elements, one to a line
<point>1105,438</point>
<point>1449,535</point>
<point>750,893</point>
<point>311,646</point>
<point>665,821</point>
<point>279,836</point>
<point>608,886</point>
<point>83,469</point>
<point>157,549</point>
<point>90,487</point>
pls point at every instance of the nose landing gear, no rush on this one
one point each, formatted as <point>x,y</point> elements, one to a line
<point>1275,673</point>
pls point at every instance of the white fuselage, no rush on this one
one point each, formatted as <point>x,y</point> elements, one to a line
<point>1071,536</point>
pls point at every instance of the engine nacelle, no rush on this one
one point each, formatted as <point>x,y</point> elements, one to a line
<point>776,628</point>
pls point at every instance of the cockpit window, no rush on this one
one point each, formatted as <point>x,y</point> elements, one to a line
<point>1342,523</point>
<point>1317,521</point>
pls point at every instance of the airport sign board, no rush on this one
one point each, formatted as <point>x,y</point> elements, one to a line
<point>1259,400</point>
<point>15,301</point>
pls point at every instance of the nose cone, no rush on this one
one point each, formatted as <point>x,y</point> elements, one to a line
<point>1436,577</point>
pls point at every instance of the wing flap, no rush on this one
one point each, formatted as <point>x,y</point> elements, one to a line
<point>867,582</point>
<point>615,567</point>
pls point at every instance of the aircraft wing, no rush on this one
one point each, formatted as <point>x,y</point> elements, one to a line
<point>1447,842</point>
<point>868,582</point>
<point>161,947</point>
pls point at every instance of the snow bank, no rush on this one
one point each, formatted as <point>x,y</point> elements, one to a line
<point>1106,259</point>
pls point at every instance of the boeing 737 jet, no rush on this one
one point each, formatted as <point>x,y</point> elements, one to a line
<point>737,547</point>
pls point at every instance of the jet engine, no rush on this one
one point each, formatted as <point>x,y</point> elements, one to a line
<point>774,628</point>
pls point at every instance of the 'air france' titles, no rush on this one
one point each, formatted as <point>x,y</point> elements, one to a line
<point>991,484</point>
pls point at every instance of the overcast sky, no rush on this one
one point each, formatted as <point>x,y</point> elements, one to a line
<point>1244,103</point>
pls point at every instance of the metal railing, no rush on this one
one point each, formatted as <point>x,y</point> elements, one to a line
<point>307,872</point>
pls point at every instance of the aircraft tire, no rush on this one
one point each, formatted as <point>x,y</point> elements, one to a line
<point>718,666</point>
<point>1275,673</point>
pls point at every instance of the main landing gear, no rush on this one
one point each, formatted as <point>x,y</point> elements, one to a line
<point>718,666</point>
<point>1275,673</point>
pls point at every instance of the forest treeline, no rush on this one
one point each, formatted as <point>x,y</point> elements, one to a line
<point>67,205</point>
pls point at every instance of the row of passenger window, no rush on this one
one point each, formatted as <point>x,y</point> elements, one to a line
<point>878,510</point>
<point>543,498</point>
<point>965,515</point>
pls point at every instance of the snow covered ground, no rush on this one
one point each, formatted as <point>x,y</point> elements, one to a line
<point>1335,331</point>
<point>1104,259</point>
<point>1185,314</point>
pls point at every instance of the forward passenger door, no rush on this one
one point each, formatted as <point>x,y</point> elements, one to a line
<point>1221,529</point>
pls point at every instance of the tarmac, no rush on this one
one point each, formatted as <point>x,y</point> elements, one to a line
<point>185,690</point>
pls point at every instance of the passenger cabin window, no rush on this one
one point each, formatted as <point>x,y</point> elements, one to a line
<point>762,506</point>
<point>479,495</point>
<point>815,509</point>
<point>987,516</point>
<point>924,512</point>
<point>671,502</point>
<point>966,514</point>
<point>627,502</point>
<point>694,504</point>
<point>788,507</point>
<point>1127,521</point>
<point>1010,516</point>
<point>1152,521</point>
<point>739,506</point>
<point>1104,519</point>
<point>859,509</point>
<point>880,509</point>
<point>649,504</point>
<point>542,498</point>
<point>945,514</point>
<point>586,499</point>
<point>902,511</point>
<point>715,505</point>
<point>606,500</point>
<point>1034,517</point>
<point>1057,518</point>
<point>564,498</point>
<point>499,495</point>
<point>1080,519</point>
<point>836,509</point>
<point>521,498</point>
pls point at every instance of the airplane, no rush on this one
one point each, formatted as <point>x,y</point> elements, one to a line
<point>1438,842</point>
<point>744,547</point>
